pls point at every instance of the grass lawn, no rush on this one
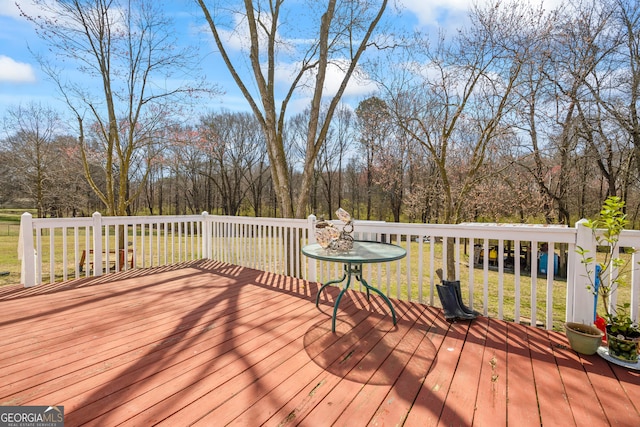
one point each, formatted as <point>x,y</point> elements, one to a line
<point>9,231</point>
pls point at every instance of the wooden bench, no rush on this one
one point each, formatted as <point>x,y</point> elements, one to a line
<point>112,259</point>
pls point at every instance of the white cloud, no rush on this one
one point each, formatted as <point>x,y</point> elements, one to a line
<point>15,72</point>
<point>448,13</point>
<point>237,36</point>
<point>434,12</point>
<point>9,8</point>
<point>358,85</point>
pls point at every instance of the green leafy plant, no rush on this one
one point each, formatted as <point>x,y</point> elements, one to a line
<point>621,322</point>
<point>609,274</point>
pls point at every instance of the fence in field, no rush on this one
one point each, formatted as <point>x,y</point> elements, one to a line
<point>502,267</point>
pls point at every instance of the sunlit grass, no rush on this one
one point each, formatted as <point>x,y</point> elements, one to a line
<point>9,264</point>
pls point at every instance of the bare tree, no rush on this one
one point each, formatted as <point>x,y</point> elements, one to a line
<point>235,144</point>
<point>391,161</point>
<point>374,125</point>
<point>31,134</point>
<point>126,53</point>
<point>326,194</point>
<point>557,102</point>
<point>454,100</point>
<point>453,97</point>
<point>337,35</point>
<point>609,111</point>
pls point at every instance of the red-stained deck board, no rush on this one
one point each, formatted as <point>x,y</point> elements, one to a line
<point>291,368</point>
<point>432,396</point>
<point>211,390</point>
<point>372,394</point>
<point>218,364</point>
<point>522,399</point>
<point>283,378</point>
<point>216,344</point>
<point>335,362</point>
<point>620,409</point>
<point>400,399</point>
<point>491,400</point>
<point>547,378</point>
<point>347,388</point>
<point>139,325</point>
<point>585,411</point>
<point>462,394</point>
<point>120,351</point>
<point>317,339</point>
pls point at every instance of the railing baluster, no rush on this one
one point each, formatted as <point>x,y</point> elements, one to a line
<point>76,251</point>
<point>534,283</point>
<point>65,261</point>
<point>52,255</point>
<point>472,267</point>
<point>516,261</point>
<point>500,279</point>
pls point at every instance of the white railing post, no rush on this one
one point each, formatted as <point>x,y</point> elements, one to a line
<point>580,299</point>
<point>635,287</point>
<point>97,244</point>
<point>206,236</point>
<point>26,251</point>
<point>311,263</point>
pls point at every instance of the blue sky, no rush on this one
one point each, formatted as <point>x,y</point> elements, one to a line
<point>22,81</point>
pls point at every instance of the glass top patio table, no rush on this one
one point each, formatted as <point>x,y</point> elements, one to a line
<point>362,253</point>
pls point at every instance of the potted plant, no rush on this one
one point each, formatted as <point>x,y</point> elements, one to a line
<point>623,335</point>
<point>585,339</point>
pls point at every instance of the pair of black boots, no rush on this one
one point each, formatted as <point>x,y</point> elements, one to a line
<point>451,299</point>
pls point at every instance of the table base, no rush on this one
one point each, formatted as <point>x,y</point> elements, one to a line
<point>352,270</point>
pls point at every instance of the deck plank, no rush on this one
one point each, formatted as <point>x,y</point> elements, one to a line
<point>372,394</point>
<point>315,344</point>
<point>335,362</point>
<point>547,377</point>
<point>400,399</point>
<point>388,337</point>
<point>491,399</point>
<point>431,398</point>
<point>210,343</point>
<point>585,411</point>
<point>461,399</point>
<point>618,407</point>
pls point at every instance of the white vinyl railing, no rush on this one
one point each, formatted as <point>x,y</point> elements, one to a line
<point>68,248</point>
<point>498,264</point>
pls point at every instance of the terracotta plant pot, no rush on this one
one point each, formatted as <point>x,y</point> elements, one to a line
<point>621,348</point>
<point>584,339</point>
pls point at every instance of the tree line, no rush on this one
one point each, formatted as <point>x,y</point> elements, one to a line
<point>523,115</point>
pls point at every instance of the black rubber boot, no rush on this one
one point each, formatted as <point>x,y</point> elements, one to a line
<point>450,305</point>
<point>456,286</point>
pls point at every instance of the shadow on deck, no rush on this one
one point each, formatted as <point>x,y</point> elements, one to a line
<point>206,343</point>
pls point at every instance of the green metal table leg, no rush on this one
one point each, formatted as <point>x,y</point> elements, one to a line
<point>384,297</point>
<point>349,270</point>
<point>335,307</point>
<point>357,270</point>
<point>330,282</point>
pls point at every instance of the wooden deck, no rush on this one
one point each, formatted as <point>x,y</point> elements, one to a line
<point>212,344</point>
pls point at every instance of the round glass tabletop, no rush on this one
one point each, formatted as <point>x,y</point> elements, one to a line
<point>361,253</point>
